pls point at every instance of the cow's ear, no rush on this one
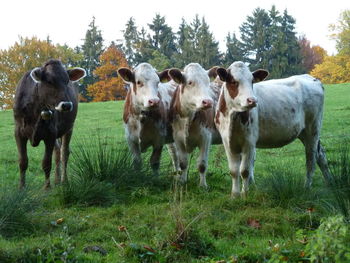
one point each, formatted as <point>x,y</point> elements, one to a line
<point>212,73</point>
<point>36,74</point>
<point>177,76</point>
<point>259,75</point>
<point>126,74</point>
<point>223,75</point>
<point>164,76</point>
<point>76,74</point>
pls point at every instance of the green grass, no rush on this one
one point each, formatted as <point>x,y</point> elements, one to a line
<point>166,223</point>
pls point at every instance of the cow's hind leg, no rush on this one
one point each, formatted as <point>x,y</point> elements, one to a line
<point>58,162</point>
<point>22,158</point>
<point>155,159</point>
<point>65,152</point>
<point>322,162</point>
<point>47,161</point>
<point>310,141</point>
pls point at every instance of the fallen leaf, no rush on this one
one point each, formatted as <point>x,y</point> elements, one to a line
<point>176,245</point>
<point>149,249</point>
<point>122,228</point>
<point>311,209</point>
<point>302,254</point>
<point>254,223</point>
<point>59,221</point>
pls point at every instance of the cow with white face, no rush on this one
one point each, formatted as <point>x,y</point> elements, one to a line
<point>146,111</point>
<point>268,114</point>
<point>192,116</point>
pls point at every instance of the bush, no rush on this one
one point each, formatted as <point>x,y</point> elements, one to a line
<point>330,242</point>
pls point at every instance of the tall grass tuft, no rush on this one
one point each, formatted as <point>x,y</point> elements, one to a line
<point>101,169</point>
<point>339,183</point>
<point>286,189</point>
<point>17,210</point>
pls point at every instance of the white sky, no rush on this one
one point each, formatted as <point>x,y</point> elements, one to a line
<point>66,21</point>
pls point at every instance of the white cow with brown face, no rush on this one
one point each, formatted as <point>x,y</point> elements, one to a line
<point>192,116</point>
<point>146,113</point>
<point>268,114</point>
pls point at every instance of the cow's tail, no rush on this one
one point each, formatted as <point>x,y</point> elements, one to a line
<point>322,162</point>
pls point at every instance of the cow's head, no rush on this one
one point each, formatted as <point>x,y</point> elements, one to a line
<point>143,81</point>
<point>194,85</point>
<point>238,86</point>
<point>53,83</point>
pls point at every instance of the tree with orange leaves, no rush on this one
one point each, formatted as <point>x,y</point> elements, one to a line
<point>109,86</point>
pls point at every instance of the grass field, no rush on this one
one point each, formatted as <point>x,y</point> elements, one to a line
<point>155,220</point>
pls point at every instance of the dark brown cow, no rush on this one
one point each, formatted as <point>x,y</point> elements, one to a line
<point>46,104</point>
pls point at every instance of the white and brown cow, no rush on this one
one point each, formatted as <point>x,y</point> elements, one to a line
<point>192,113</point>
<point>268,114</point>
<point>146,113</point>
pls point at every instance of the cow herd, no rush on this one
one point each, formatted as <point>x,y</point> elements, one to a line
<point>182,109</point>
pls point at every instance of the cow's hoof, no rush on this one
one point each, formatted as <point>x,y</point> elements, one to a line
<point>235,195</point>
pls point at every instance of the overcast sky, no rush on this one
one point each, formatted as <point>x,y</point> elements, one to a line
<point>66,21</point>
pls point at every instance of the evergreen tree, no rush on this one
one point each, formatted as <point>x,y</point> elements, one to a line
<point>184,45</point>
<point>208,54</point>
<point>163,39</point>
<point>91,49</point>
<point>234,50</point>
<point>256,39</point>
<point>131,40</point>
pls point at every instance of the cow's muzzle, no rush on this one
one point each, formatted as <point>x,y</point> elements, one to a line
<point>64,106</point>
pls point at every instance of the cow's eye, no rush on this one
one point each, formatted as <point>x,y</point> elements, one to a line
<point>190,83</point>
<point>139,83</point>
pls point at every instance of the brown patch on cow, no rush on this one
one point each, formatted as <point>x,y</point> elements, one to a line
<point>222,108</point>
<point>175,105</point>
<point>164,76</point>
<point>128,109</point>
<point>232,87</point>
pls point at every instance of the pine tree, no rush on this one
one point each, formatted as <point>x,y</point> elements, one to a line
<point>234,50</point>
<point>91,49</point>
<point>131,40</point>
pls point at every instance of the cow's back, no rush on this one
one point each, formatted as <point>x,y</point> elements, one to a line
<point>285,106</point>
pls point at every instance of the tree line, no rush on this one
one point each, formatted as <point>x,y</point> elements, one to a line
<point>267,39</point>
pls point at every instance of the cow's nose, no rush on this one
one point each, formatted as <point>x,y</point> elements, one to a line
<point>153,102</point>
<point>64,106</point>
<point>207,103</point>
<point>252,102</point>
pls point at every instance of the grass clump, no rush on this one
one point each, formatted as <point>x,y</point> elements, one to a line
<point>17,210</point>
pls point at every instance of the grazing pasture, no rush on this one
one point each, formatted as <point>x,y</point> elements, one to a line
<point>130,219</point>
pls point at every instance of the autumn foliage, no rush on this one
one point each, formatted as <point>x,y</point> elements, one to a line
<point>334,69</point>
<point>109,86</point>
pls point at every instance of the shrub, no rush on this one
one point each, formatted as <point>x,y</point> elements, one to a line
<point>330,242</point>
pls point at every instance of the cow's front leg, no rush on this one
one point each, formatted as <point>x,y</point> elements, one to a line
<point>247,168</point>
<point>135,149</point>
<point>47,161</point>
<point>202,162</point>
<point>234,160</point>
<point>155,159</point>
<point>58,162</point>
<point>174,156</point>
<point>183,156</point>
<point>22,158</point>
<point>65,152</point>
